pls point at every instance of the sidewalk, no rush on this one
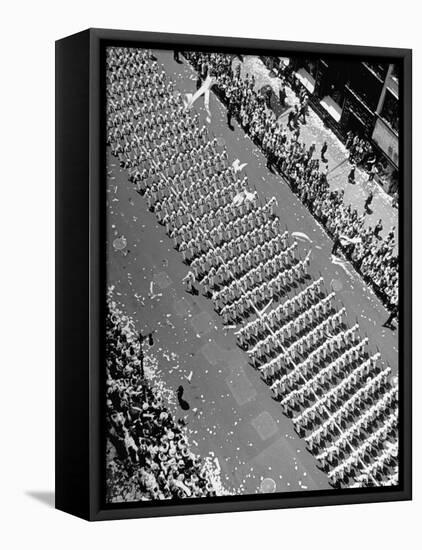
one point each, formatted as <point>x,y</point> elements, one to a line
<point>315,131</point>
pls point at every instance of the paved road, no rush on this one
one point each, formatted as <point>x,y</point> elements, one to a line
<point>232,413</point>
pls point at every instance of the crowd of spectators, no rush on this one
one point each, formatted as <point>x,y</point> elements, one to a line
<point>148,454</point>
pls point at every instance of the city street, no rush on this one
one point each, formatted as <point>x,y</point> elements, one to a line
<point>314,131</point>
<point>232,415</point>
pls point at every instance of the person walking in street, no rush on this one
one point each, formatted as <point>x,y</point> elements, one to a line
<point>189,281</point>
<point>336,246</point>
<point>282,96</point>
<point>303,111</point>
<point>323,151</point>
<point>230,115</point>
<point>377,229</point>
<point>184,405</point>
<point>368,202</point>
<point>290,118</point>
<point>268,93</point>
<point>373,172</point>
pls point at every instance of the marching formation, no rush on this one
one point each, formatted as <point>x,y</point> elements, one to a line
<point>306,172</point>
<point>339,395</point>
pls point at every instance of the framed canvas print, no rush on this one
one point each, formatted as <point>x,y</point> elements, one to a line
<point>233,229</point>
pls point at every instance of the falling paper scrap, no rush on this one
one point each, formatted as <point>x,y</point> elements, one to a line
<point>301,236</point>
<point>152,293</point>
<point>203,90</point>
<point>342,263</point>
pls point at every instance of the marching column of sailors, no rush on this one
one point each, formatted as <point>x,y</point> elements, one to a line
<point>339,398</point>
<point>193,194</point>
<point>338,395</point>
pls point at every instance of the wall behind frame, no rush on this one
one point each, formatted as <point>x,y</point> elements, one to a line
<point>28,274</point>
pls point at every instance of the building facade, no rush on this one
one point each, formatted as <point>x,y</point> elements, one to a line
<point>359,96</point>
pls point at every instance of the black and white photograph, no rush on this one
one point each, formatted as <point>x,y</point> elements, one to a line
<point>209,248</point>
<point>252,274</point>
<point>210,275</point>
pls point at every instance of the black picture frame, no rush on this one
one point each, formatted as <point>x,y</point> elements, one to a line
<point>80,264</point>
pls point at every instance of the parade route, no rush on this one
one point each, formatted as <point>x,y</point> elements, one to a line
<point>232,414</point>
